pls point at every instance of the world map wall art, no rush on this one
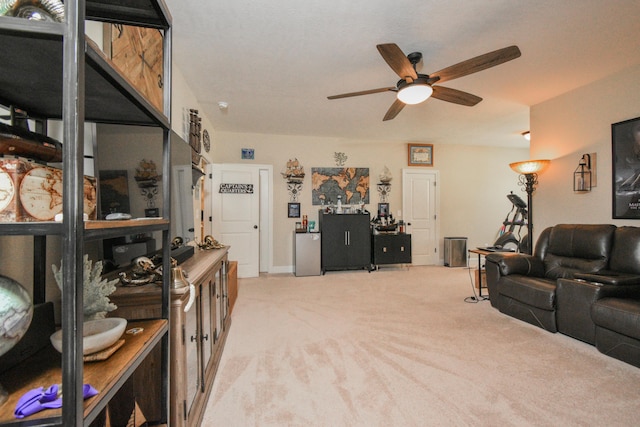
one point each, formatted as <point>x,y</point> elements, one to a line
<point>352,184</point>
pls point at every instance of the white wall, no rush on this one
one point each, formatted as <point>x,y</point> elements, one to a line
<point>474,180</point>
<point>564,128</point>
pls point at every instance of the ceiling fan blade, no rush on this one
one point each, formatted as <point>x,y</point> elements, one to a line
<point>476,64</point>
<point>454,95</point>
<point>393,111</point>
<point>397,60</point>
<point>364,92</point>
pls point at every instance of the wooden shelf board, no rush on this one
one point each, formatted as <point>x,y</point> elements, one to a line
<point>101,225</point>
<point>44,369</point>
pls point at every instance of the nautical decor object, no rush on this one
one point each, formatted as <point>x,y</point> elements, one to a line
<point>96,289</point>
<point>147,179</point>
<point>294,171</point>
<point>38,10</point>
<point>16,312</point>
<point>294,174</point>
<point>385,176</point>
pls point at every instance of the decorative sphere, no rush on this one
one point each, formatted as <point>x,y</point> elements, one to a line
<point>16,311</point>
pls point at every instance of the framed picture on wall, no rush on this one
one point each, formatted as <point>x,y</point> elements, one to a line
<point>420,154</point>
<point>625,141</point>
<point>294,210</point>
<point>383,210</point>
<point>248,154</point>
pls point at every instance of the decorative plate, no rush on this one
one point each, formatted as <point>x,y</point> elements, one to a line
<point>206,140</point>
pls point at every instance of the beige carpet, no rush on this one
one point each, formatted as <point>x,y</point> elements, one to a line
<point>401,347</point>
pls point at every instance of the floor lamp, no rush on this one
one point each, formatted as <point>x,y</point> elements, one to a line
<point>528,171</point>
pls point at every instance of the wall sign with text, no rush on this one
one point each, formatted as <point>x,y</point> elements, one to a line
<point>236,189</point>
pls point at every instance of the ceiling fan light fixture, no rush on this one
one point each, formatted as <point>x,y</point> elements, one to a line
<point>414,93</point>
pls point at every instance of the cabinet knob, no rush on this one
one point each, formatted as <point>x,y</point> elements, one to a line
<point>205,338</point>
<point>194,338</point>
<point>401,248</point>
<point>384,249</point>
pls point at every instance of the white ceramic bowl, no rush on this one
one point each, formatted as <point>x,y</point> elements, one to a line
<point>97,334</point>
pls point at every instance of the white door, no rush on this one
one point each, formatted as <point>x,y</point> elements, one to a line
<point>419,211</point>
<point>235,211</point>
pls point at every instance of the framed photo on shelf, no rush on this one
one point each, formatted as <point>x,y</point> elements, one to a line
<point>420,154</point>
<point>383,210</point>
<point>294,210</point>
<point>625,140</point>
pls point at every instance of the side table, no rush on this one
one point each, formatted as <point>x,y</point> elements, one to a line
<point>481,253</point>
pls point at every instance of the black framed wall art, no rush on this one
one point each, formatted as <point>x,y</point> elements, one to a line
<point>625,143</point>
<point>294,210</point>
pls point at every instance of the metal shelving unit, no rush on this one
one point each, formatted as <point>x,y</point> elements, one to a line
<point>53,71</point>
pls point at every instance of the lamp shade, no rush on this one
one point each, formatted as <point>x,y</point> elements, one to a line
<point>529,166</point>
<point>414,93</point>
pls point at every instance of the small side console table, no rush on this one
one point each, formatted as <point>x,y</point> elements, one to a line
<point>481,277</point>
<point>390,249</point>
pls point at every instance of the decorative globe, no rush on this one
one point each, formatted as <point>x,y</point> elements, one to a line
<point>16,311</point>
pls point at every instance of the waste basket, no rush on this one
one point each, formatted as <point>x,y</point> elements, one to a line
<point>455,251</point>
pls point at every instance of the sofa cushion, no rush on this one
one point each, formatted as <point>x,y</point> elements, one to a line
<point>535,291</point>
<point>576,248</point>
<point>625,254</point>
<point>620,315</point>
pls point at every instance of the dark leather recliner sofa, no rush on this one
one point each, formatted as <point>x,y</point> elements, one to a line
<point>583,280</point>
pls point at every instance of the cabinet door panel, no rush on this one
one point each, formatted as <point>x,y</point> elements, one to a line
<point>359,251</point>
<point>191,344</point>
<point>333,244</point>
<point>206,335</point>
<point>217,295</point>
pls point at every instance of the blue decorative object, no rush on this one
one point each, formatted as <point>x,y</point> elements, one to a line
<point>247,153</point>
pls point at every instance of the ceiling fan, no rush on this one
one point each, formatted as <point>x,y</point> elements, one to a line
<point>414,88</point>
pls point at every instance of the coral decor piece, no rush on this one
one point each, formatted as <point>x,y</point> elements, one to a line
<point>340,158</point>
<point>96,289</point>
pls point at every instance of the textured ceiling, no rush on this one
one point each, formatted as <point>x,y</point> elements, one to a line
<point>276,62</point>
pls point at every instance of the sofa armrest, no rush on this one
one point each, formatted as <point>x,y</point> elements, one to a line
<point>510,263</point>
<point>610,278</point>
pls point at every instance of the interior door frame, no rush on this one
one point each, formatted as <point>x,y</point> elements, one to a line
<point>265,176</point>
<point>266,218</point>
<point>438,257</point>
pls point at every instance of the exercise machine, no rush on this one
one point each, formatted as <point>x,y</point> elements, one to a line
<point>516,217</point>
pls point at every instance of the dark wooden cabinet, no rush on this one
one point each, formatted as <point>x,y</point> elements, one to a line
<point>391,249</point>
<point>346,241</point>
